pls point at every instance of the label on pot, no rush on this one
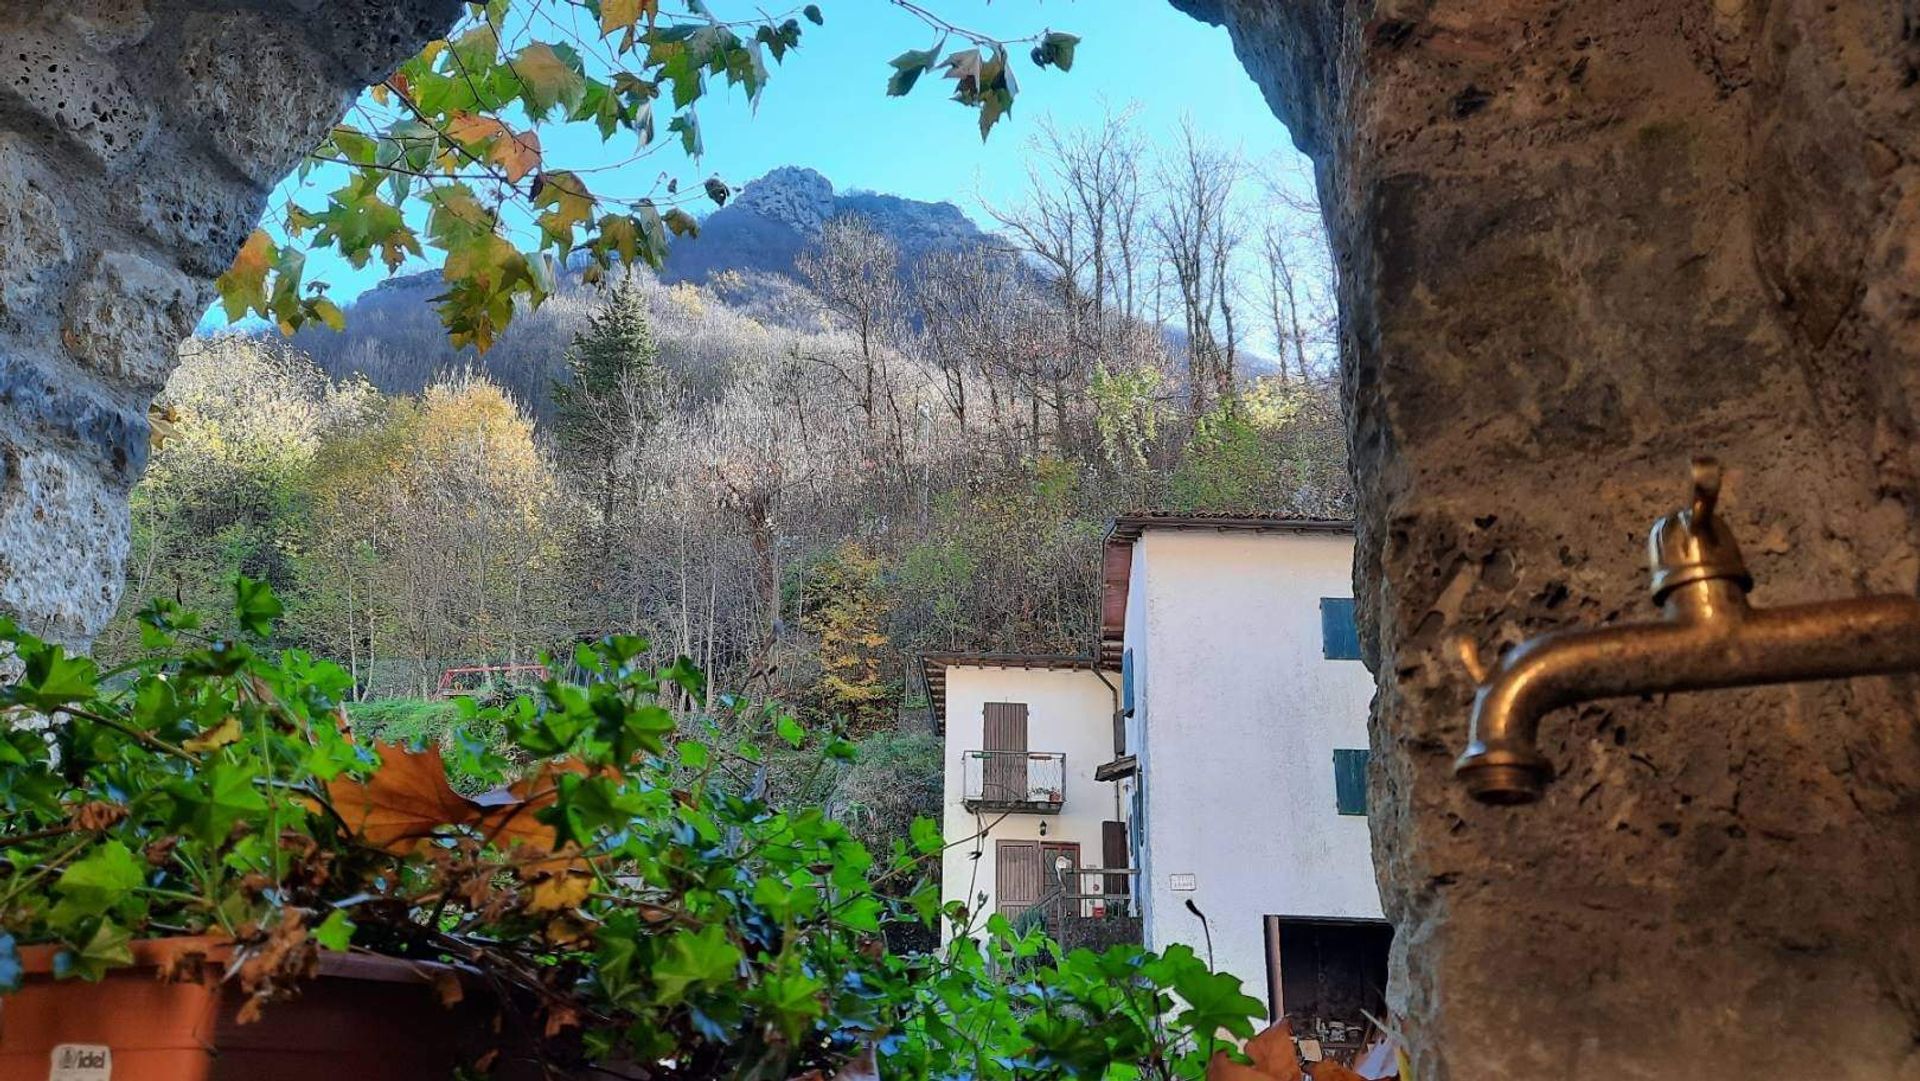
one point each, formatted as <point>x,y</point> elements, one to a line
<point>81,1062</point>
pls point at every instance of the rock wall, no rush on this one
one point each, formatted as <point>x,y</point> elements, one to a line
<point>138,142</point>
<point>1579,242</point>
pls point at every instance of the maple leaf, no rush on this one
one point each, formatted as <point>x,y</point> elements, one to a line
<point>1273,1054</point>
<point>243,287</point>
<point>405,799</point>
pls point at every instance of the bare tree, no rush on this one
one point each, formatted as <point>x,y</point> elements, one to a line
<point>855,271</point>
<point>1197,237</point>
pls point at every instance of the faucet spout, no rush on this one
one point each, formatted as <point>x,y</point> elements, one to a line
<point>1709,638</point>
<point>1859,636</point>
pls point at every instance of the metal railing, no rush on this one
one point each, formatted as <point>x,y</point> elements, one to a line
<point>1032,781</point>
<point>1087,907</point>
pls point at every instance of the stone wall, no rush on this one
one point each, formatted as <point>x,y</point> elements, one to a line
<point>138,142</point>
<point>1579,242</point>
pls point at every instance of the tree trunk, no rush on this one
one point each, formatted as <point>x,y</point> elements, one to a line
<point>138,142</point>
<point>1578,243</point>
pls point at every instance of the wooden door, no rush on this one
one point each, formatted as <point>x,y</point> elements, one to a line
<point>1051,871</point>
<point>1113,853</point>
<point>1017,881</point>
<point>1004,776</point>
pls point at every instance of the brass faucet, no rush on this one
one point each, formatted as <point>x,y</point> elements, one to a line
<point>1709,637</point>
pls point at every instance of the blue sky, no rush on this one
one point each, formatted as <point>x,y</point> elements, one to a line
<point>826,108</point>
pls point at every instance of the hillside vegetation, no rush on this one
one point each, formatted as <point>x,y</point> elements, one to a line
<point>798,461</point>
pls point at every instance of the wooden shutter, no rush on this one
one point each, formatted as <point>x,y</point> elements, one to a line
<point>1339,637</point>
<point>1016,876</point>
<point>1005,775</point>
<point>1350,781</point>
<point>1113,853</point>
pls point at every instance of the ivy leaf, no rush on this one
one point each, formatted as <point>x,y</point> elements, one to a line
<point>211,803</point>
<point>109,947</point>
<point>255,606</point>
<point>692,960</point>
<point>243,288</point>
<point>95,884</point>
<point>52,679</point>
<point>335,932</point>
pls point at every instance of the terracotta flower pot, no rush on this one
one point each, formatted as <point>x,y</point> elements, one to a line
<point>363,1018</point>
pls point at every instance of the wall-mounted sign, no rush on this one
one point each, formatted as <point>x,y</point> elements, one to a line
<point>1185,883</point>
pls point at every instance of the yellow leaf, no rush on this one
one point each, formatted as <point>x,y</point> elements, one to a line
<point>557,893</point>
<point>212,739</point>
<point>517,155</point>
<point>546,79</point>
<point>243,287</point>
<point>329,313</point>
<point>473,129</point>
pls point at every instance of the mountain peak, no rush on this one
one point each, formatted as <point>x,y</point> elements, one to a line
<point>792,195</point>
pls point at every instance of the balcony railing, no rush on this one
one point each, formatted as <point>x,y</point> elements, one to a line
<point>1031,782</point>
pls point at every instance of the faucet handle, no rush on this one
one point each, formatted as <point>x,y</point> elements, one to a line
<point>1692,545</point>
<point>1706,490</point>
<point>1469,655</point>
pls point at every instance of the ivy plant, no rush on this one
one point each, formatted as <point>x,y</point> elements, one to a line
<point>625,887</point>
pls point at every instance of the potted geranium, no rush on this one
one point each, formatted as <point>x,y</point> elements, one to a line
<point>316,905</point>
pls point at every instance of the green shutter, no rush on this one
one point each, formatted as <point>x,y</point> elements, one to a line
<point>1339,638</point>
<point>1350,781</point>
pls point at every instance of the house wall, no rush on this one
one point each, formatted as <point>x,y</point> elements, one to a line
<point>1069,711</point>
<point>1236,720</point>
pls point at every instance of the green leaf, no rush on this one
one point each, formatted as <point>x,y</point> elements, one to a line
<point>335,932</point>
<point>812,12</point>
<point>109,947</point>
<point>209,805</point>
<point>255,606</point>
<point>693,960</point>
<point>95,884</point>
<point>907,69</point>
<point>926,836</point>
<point>790,730</point>
<point>1058,48</point>
<point>51,679</point>
<point>550,75</point>
<point>693,754</point>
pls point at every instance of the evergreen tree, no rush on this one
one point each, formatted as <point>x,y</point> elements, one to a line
<point>608,406</point>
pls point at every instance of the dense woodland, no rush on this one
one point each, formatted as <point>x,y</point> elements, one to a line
<point>798,480</point>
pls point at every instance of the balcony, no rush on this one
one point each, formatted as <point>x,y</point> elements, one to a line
<point>1024,782</point>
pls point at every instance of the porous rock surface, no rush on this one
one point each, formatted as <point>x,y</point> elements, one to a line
<point>1580,242</point>
<point>138,142</point>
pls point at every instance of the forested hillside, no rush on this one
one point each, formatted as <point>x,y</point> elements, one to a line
<point>838,431</point>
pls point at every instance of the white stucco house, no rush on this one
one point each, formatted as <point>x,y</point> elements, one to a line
<point>1211,752</point>
<point>1024,735</point>
<point>1245,747</point>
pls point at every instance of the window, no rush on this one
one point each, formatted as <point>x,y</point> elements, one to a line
<point>1126,683</point>
<point>1339,639</point>
<point>1350,781</point>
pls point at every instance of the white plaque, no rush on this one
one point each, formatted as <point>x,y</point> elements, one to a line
<point>81,1062</point>
<point>1183,882</point>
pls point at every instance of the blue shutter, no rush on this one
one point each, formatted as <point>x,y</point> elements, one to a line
<point>1126,683</point>
<point>1350,781</point>
<point>1339,638</point>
